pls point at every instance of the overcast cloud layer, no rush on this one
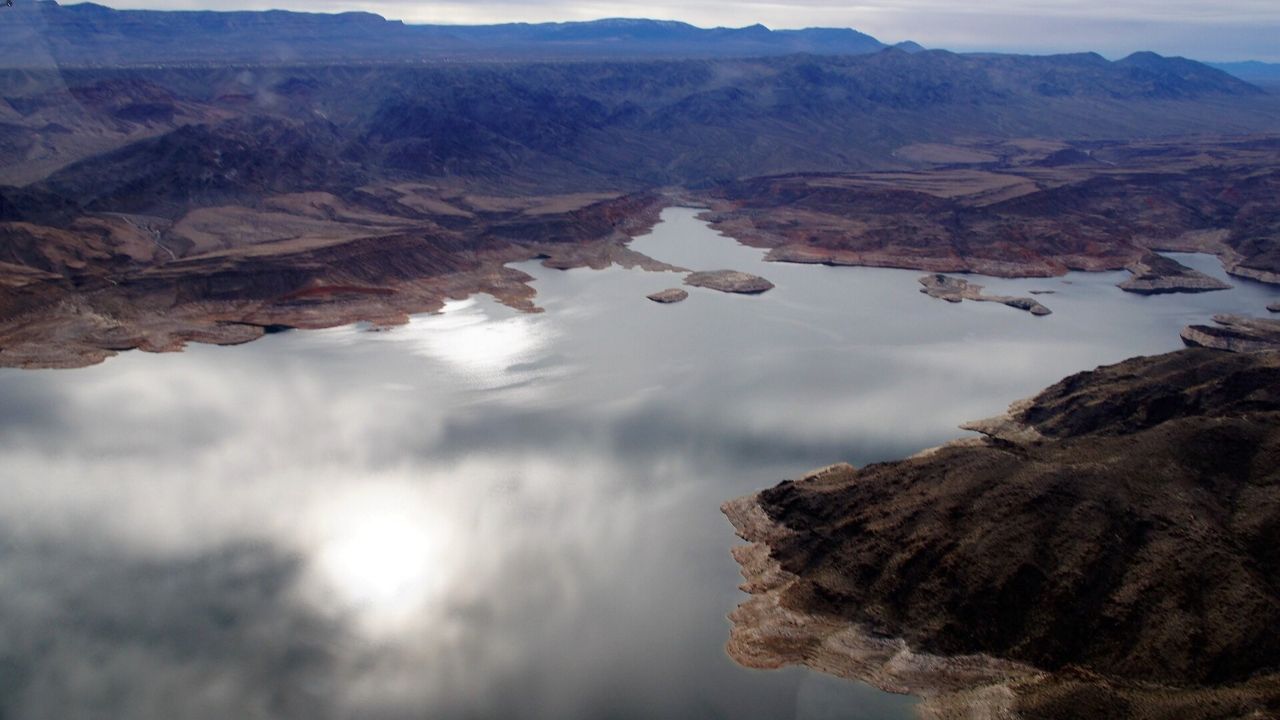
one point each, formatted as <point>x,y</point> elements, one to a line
<point>1229,30</point>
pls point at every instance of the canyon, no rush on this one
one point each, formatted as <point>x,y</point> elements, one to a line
<point>1107,546</point>
<point>146,206</point>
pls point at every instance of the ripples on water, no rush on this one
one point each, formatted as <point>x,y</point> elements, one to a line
<point>485,514</point>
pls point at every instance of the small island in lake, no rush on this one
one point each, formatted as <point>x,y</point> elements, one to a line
<point>669,296</point>
<point>954,290</point>
<point>729,281</point>
<point>1154,274</point>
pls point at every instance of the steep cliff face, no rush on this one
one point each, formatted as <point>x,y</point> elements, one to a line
<point>1122,527</point>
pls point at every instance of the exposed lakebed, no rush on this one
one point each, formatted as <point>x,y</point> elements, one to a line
<point>486,513</point>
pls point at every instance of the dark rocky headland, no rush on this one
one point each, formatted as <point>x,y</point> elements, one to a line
<point>1109,548</point>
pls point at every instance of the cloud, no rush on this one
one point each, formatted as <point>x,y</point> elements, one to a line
<point>213,635</point>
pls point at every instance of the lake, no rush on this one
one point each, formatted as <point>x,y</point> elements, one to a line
<point>488,514</point>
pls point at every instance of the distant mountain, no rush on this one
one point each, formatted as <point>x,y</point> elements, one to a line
<point>44,33</point>
<point>628,38</point>
<point>1258,73</point>
<point>1170,72</point>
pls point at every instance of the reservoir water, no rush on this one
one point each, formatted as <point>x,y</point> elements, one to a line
<point>488,514</point>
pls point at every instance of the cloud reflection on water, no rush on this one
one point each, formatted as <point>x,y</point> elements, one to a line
<point>482,514</point>
<point>475,346</point>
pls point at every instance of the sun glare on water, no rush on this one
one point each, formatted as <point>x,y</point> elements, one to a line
<point>381,556</point>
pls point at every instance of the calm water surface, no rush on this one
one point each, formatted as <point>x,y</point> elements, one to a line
<point>486,514</point>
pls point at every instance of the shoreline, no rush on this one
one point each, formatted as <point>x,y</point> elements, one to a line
<point>766,635</point>
<point>363,264</point>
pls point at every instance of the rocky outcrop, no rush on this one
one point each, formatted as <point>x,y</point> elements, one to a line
<point>1155,274</point>
<point>954,290</point>
<point>669,296</point>
<point>729,281</point>
<point>1108,548</point>
<point>1235,333</point>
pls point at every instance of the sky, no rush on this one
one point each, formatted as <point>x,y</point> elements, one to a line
<point>1223,30</point>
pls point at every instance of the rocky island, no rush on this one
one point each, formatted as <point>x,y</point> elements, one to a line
<point>1109,547</point>
<point>729,281</point>
<point>954,290</point>
<point>669,296</point>
<point>1154,274</point>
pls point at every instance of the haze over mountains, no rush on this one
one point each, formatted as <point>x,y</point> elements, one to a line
<point>87,34</point>
<point>576,126</point>
<point>45,33</point>
<point>1258,73</point>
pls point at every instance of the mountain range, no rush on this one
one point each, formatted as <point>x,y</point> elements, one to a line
<point>586,125</point>
<point>43,33</point>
